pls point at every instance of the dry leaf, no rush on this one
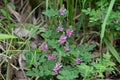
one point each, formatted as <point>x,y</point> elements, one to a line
<point>16,14</point>
<point>1,47</point>
<point>35,41</point>
<point>20,75</point>
<point>22,32</point>
<point>21,60</point>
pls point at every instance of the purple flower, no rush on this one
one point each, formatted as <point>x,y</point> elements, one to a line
<point>69,32</point>
<point>66,48</point>
<point>60,28</point>
<point>44,46</point>
<point>57,67</point>
<point>62,39</point>
<point>62,11</point>
<point>51,57</point>
<point>78,61</point>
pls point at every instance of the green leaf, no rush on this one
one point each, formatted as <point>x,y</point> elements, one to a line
<point>86,47</point>
<point>106,60</point>
<point>51,13</point>
<point>30,73</point>
<point>6,36</point>
<point>47,34</point>
<point>67,73</point>
<point>107,56</point>
<point>53,43</point>
<point>85,70</point>
<point>4,12</point>
<point>86,57</point>
<point>99,67</point>
<point>84,53</point>
<point>33,72</point>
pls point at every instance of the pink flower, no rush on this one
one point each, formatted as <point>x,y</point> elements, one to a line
<point>59,28</point>
<point>66,48</point>
<point>69,32</point>
<point>57,67</point>
<point>62,11</point>
<point>44,46</point>
<point>51,57</point>
<point>78,61</point>
<point>62,39</point>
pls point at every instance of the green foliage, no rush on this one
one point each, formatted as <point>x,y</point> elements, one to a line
<point>83,51</point>
<point>5,13</point>
<point>51,13</point>
<point>50,34</point>
<point>94,14</point>
<point>68,73</point>
<point>88,58</point>
<point>42,67</point>
<point>45,67</point>
<point>86,71</point>
<point>104,65</point>
<point>96,69</point>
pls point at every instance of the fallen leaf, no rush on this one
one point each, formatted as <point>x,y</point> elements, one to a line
<point>21,60</point>
<point>22,32</point>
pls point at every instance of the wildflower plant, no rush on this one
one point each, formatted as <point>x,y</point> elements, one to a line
<point>61,57</point>
<point>68,45</point>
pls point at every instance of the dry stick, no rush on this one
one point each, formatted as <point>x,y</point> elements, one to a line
<point>14,67</point>
<point>37,78</point>
<point>24,74</point>
<point>10,70</point>
<point>2,76</point>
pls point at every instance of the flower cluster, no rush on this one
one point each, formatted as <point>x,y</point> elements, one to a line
<point>62,39</point>
<point>60,28</point>
<point>62,11</point>
<point>66,48</point>
<point>78,61</point>
<point>44,46</point>
<point>57,67</point>
<point>69,32</point>
<point>51,57</point>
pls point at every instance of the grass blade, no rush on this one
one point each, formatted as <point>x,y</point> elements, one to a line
<point>105,22</point>
<point>112,50</point>
<point>6,36</point>
<point>106,18</point>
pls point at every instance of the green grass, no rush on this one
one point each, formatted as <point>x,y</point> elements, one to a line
<point>105,23</point>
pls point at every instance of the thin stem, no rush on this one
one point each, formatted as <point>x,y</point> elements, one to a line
<point>2,76</point>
